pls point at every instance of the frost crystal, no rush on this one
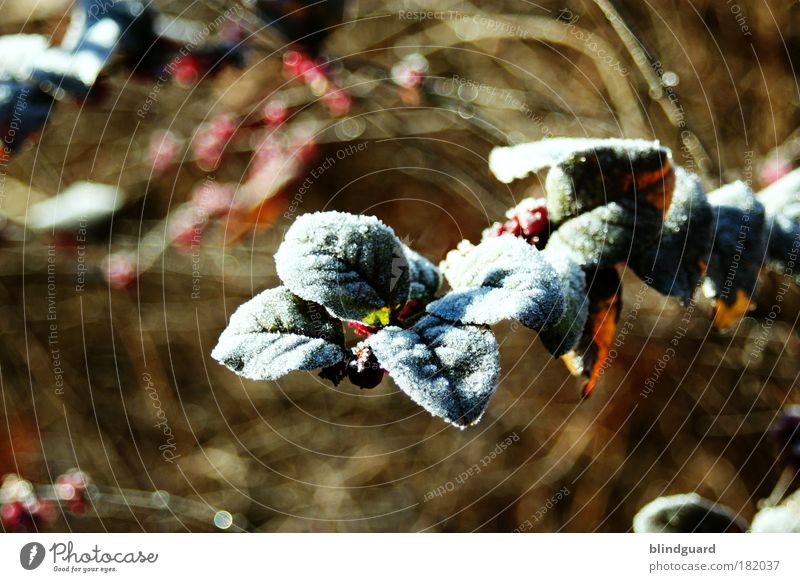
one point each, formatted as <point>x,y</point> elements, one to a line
<point>501,278</point>
<point>449,369</point>
<point>353,265</point>
<point>564,335</point>
<point>739,246</point>
<point>276,333</point>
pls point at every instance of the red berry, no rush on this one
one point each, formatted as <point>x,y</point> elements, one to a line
<point>527,220</point>
<point>363,369</point>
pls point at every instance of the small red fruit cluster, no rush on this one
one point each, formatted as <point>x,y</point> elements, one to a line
<point>527,220</point>
<point>24,508</point>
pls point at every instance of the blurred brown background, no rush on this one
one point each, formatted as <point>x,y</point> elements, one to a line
<point>300,455</point>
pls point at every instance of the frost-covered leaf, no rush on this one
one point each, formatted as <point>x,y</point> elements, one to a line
<point>449,369</point>
<point>604,297</point>
<point>82,203</point>
<point>608,235</point>
<point>276,333</point>
<point>781,202</point>
<point>563,336</point>
<point>425,277</point>
<point>738,251</point>
<point>353,265</point>
<point>587,173</point>
<point>501,278</point>
<point>785,518</point>
<point>675,264</point>
<point>687,513</point>
<point>516,162</point>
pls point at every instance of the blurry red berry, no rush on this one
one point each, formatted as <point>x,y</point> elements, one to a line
<point>28,515</point>
<point>13,515</point>
<point>296,63</point>
<point>72,488</point>
<point>186,70</point>
<point>410,72</point>
<point>773,170</point>
<point>223,127</point>
<point>211,140</point>
<point>163,149</point>
<point>214,199</point>
<point>120,270</point>
<point>186,231</point>
<point>338,102</point>
<point>275,113</point>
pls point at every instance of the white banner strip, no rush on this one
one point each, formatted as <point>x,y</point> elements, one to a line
<point>400,557</point>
